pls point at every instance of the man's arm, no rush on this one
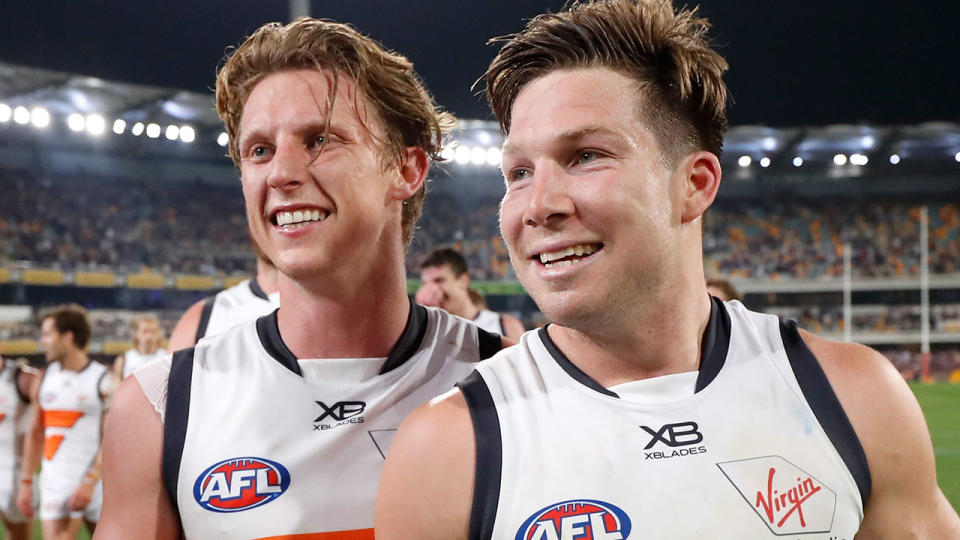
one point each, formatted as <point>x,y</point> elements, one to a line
<point>426,489</point>
<point>905,501</point>
<point>512,327</point>
<point>117,367</point>
<point>184,335</point>
<point>84,493</point>
<point>135,502</point>
<point>32,445</point>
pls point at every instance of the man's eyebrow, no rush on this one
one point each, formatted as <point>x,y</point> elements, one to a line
<point>571,135</point>
<point>309,126</point>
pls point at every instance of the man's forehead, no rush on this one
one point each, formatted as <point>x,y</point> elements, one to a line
<point>304,92</point>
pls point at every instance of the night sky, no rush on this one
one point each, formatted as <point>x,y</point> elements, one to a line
<point>792,63</point>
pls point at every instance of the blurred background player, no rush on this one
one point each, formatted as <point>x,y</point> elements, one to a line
<point>17,379</point>
<point>147,337</point>
<point>446,284</point>
<point>245,301</point>
<point>723,290</point>
<point>69,405</point>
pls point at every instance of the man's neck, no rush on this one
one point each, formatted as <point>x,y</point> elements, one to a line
<point>75,361</point>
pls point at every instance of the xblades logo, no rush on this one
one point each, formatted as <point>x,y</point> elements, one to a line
<point>342,412</point>
<point>674,436</point>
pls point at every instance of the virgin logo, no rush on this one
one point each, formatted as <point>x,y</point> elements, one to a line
<point>788,499</point>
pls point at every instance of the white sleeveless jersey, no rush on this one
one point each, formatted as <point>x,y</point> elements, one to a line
<point>491,321</point>
<point>243,302</point>
<point>72,407</point>
<point>13,406</point>
<point>259,444</point>
<point>133,359</point>
<point>756,447</point>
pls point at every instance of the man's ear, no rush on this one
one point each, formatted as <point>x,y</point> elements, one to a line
<point>701,180</point>
<point>412,173</point>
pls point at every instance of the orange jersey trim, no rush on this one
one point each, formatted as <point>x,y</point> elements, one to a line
<point>356,534</point>
<point>60,418</point>
<point>50,446</point>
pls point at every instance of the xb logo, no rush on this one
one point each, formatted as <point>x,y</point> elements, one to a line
<point>341,410</point>
<point>674,435</point>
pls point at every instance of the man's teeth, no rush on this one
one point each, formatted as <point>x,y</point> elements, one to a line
<point>299,216</point>
<point>579,250</point>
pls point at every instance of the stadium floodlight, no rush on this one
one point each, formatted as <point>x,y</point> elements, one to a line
<point>894,159</point>
<point>956,157</point>
<point>137,129</point>
<point>462,155</point>
<point>21,115</point>
<point>840,160</point>
<point>153,130</point>
<point>478,155</point>
<point>96,125</point>
<point>76,122</point>
<point>119,125</point>
<point>5,113</point>
<point>868,141</point>
<point>172,132</point>
<point>493,156</point>
<point>764,162</point>
<point>859,160</point>
<point>187,134</point>
<point>797,161</point>
<point>448,153</point>
<point>769,144</point>
<point>40,117</point>
<point>744,161</point>
<point>223,138</point>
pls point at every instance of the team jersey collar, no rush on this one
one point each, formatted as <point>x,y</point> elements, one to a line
<point>716,342</point>
<point>257,290</point>
<point>409,343</point>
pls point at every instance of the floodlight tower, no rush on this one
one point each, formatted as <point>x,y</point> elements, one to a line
<point>299,8</point>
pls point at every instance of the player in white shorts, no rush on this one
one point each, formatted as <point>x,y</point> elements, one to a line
<point>245,301</point>
<point>69,402</point>
<point>647,409</point>
<point>278,427</point>
<point>147,336</point>
<point>446,284</point>
<point>16,381</point>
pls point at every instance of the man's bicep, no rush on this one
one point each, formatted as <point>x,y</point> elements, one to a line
<point>426,489</point>
<point>135,503</point>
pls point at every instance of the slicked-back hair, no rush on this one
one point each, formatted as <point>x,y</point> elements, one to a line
<point>446,257</point>
<point>666,51</point>
<point>387,79</point>
<point>70,318</point>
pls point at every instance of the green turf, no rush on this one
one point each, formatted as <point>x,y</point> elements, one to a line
<point>941,406</point>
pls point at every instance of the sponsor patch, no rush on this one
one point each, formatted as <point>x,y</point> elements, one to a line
<point>580,519</point>
<point>239,484</point>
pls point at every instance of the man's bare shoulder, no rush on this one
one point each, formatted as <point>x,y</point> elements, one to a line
<point>185,332</point>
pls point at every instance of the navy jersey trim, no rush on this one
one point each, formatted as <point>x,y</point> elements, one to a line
<point>826,407</point>
<point>489,463</point>
<point>570,367</point>
<point>175,421</point>
<point>100,385</point>
<point>269,334</point>
<point>716,343</point>
<point>488,343</point>
<point>204,317</point>
<point>257,290</point>
<point>410,339</point>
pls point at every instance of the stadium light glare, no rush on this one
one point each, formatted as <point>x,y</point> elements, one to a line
<point>797,161</point>
<point>744,161</point>
<point>478,155</point>
<point>172,133</point>
<point>187,134</point>
<point>223,138</point>
<point>462,155</point>
<point>137,129</point>
<point>5,113</point>
<point>894,159</point>
<point>769,144</point>
<point>76,122</point>
<point>868,141</point>
<point>153,130</point>
<point>21,115</point>
<point>40,117</point>
<point>840,160</point>
<point>764,162</point>
<point>956,157</point>
<point>96,125</point>
<point>859,160</point>
<point>448,153</point>
<point>493,157</point>
<point>119,125</point>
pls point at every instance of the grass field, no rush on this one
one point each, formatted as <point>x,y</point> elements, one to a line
<point>941,406</point>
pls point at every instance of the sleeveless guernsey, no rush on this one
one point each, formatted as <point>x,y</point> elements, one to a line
<point>243,302</point>
<point>491,321</point>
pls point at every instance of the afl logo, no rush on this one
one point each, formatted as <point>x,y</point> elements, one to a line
<point>239,484</point>
<point>577,519</point>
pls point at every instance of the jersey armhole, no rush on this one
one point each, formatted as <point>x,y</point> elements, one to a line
<point>489,461</point>
<point>826,407</point>
<point>16,384</point>
<point>205,317</point>
<point>175,421</point>
<point>489,343</point>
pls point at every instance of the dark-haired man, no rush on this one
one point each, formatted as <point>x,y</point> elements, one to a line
<point>648,408</point>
